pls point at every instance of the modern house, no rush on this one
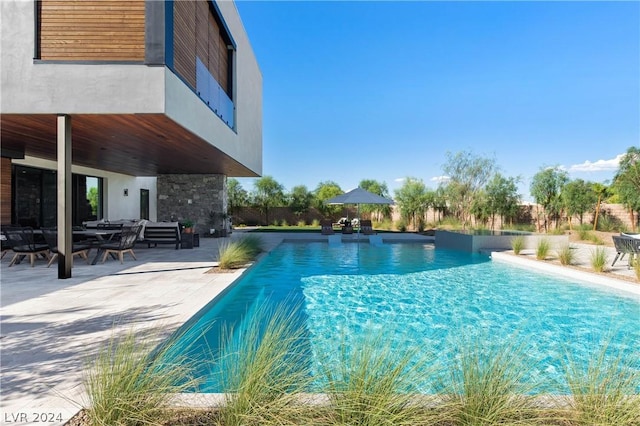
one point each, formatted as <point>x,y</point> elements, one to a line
<point>143,106</point>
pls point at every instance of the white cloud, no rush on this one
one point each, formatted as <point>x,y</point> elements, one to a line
<point>597,166</point>
<point>400,179</point>
<point>440,179</point>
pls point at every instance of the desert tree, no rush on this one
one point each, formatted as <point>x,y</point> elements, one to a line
<point>410,198</point>
<point>578,197</point>
<point>468,174</point>
<point>546,189</point>
<point>602,191</point>
<point>502,198</point>
<point>300,200</point>
<point>237,197</point>
<point>324,191</point>
<point>267,194</point>
<point>627,182</point>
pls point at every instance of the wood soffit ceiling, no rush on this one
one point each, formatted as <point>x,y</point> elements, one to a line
<point>133,144</point>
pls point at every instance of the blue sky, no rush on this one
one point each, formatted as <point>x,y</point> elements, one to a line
<point>384,90</point>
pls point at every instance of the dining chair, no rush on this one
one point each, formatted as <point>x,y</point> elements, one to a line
<point>22,244</point>
<point>51,237</point>
<point>128,239</point>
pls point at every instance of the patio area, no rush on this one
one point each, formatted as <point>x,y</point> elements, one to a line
<point>50,327</point>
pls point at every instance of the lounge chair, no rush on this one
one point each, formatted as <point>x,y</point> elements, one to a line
<point>326,227</point>
<point>366,227</point>
<point>626,245</point>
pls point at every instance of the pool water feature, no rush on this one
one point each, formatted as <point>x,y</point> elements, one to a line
<point>418,295</point>
<point>475,241</point>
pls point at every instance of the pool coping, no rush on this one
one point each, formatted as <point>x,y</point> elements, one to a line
<point>590,277</point>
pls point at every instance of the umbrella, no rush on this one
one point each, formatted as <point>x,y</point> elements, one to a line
<point>359,196</point>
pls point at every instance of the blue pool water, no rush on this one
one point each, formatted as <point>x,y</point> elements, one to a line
<point>418,295</point>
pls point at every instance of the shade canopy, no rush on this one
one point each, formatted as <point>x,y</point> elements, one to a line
<point>359,196</point>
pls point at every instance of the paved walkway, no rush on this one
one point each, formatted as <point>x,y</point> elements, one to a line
<point>50,327</point>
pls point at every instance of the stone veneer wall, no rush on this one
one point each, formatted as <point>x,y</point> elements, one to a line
<point>192,197</point>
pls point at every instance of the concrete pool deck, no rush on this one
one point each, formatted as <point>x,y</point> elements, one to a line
<point>50,327</point>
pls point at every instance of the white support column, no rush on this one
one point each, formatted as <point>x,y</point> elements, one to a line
<point>65,235</point>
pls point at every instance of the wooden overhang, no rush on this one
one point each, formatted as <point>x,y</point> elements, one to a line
<point>132,144</point>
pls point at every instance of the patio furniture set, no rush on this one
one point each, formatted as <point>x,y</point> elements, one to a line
<point>366,227</point>
<point>113,239</point>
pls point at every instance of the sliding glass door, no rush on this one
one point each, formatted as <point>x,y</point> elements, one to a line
<point>34,197</point>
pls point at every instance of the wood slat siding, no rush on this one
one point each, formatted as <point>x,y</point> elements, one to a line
<point>90,30</point>
<point>184,40</point>
<point>5,191</point>
<point>197,34</point>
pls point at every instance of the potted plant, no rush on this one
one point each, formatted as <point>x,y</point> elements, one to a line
<point>188,226</point>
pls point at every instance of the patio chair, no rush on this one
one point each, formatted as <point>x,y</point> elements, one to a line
<point>625,245</point>
<point>51,237</point>
<point>366,227</point>
<point>326,227</point>
<point>6,247</point>
<point>128,239</point>
<point>22,244</point>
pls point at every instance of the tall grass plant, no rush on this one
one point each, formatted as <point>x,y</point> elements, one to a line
<point>236,254</point>
<point>566,255</point>
<point>517,244</point>
<point>605,390</point>
<point>130,383</point>
<point>542,249</point>
<point>598,259</point>
<point>263,369</point>
<point>372,383</point>
<point>486,384</point>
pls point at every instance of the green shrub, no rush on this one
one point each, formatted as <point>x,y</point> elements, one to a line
<point>605,390</point>
<point>128,383</point>
<point>556,231</point>
<point>517,244</point>
<point>263,370</point>
<point>542,249</point>
<point>608,223</point>
<point>386,224</point>
<point>584,234</point>
<point>566,255</point>
<point>451,222</point>
<point>301,223</point>
<point>596,240</point>
<point>315,223</point>
<point>598,259</point>
<point>520,227</point>
<point>401,225</point>
<point>284,222</point>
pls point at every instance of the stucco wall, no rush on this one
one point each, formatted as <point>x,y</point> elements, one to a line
<point>29,87</point>
<point>245,143</point>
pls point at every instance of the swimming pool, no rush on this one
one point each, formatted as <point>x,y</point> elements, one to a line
<point>418,295</point>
